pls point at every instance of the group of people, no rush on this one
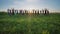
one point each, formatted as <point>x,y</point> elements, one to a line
<point>14,12</point>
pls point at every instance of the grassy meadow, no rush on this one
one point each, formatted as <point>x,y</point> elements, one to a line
<point>30,24</point>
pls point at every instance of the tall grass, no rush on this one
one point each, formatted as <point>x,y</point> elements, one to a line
<point>30,24</point>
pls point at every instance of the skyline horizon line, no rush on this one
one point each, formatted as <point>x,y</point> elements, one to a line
<point>51,11</point>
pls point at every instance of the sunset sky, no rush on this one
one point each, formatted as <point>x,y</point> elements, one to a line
<point>30,4</point>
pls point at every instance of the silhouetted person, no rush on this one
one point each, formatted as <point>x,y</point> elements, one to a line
<point>38,12</point>
<point>16,12</point>
<point>26,12</point>
<point>13,11</point>
<point>46,11</point>
<point>20,11</point>
<point>9,11</point>
<point>33,11</point>
<point>42,11</point>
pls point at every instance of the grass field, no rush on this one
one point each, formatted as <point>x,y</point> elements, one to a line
<point>30,24</point>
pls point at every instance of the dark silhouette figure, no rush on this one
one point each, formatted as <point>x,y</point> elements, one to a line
<point>13,11</point>
<point>42,11</point>
<point>9,11</point>
<point>33,11</point>
<point>26,12</point>
<point>20,11</point>
<point>46,11</point>
<point>16,11</point>
<point>38,12</point>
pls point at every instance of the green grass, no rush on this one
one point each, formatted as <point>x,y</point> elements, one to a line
<point>30,24</point>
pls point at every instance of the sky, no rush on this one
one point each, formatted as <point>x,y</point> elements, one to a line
<point>53,5</point>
